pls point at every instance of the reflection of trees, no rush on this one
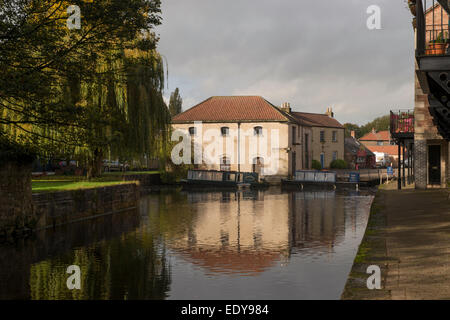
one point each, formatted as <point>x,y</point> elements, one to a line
<point>171,214</point>
<point>131,267</point>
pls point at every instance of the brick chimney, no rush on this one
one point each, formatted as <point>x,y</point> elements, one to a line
<point>330,112</point>
<point>352,134</point>
<point>286,107</point>
<point>373,130</point>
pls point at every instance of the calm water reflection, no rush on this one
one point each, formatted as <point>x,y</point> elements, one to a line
<point>217,245</point>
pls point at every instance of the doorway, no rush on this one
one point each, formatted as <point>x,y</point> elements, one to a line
<point>258,165</point>
<point>225,164</point>
<point>434,165</point>
<point>294,162</point>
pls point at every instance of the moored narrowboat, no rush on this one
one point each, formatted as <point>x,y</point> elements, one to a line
<point>222,179</point>
<point>322,179</point>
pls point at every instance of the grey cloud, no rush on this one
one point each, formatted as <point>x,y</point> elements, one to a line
<point>312,54</point>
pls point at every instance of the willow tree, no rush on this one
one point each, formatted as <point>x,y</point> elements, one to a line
<point>81,92</point>
<point>125,114</point>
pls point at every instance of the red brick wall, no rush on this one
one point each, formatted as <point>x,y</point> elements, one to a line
<point>438,18</point>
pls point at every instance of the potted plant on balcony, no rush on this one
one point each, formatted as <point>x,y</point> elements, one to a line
<point>438,45</point>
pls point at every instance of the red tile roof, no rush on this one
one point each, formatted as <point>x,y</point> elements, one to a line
<point>232,108</point>
<point>390,150</point>
<point>317,119</point>
<point>377,136</point>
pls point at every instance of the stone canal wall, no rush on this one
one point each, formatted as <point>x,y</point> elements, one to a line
<point>20,210</point>
<point>15,196</point>
<point>146,181</point>
<point>58,208</point>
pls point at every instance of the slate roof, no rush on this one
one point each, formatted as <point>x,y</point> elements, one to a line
<point>318,120</point>
<point>352,146</point>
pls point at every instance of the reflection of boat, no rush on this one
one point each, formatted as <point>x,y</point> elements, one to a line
<point>222,179</point>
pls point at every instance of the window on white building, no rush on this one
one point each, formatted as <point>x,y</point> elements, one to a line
<point>225,164</point>
<point>225,131</point>
<point>258,131</point>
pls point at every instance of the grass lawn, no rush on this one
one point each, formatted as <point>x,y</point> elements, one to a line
<point>64,185</point>
<point>106,176</point>
<point>129,173</point>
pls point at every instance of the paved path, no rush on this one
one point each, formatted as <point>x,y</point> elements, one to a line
<point>415,255</point>
<point>418,244</point>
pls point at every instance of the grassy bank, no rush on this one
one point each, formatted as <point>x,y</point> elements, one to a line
<point>106,176</point>
<point>372,251</point>
<point>64,183</point>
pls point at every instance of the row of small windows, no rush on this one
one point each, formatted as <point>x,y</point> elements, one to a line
<point>258,131</point>
<point>225,131</point>
<point>333,136</point>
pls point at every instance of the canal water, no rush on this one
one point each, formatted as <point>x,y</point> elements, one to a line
<point>198,245</point>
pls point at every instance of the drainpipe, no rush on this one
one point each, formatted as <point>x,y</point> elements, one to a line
<point>302,151</point>
<point>239,147</point>
<point>399,171</point>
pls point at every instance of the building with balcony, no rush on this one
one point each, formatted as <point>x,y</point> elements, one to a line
<point>432,93</point>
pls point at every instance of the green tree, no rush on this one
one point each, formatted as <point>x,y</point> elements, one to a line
<point>316,165</point>
<point>379,124</point>
<point>175,103</point>
<point>88,92</point>
<point>349,127</point>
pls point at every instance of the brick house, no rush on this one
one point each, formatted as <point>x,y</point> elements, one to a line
<point>374,138</point>
<point>431,126</point>
<point>357,155</point>
<point>381,142</point>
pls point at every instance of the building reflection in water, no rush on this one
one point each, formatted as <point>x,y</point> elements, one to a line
<point>136,255</point>
<point>248,232</point>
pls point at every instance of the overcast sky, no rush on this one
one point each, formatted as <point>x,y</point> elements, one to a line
<point>313,54</point>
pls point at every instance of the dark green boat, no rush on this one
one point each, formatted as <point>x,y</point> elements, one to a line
<point>222,179</point>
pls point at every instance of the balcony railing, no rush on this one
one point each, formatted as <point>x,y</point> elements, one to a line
<point>402,122</point>
<point>433,27</point>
